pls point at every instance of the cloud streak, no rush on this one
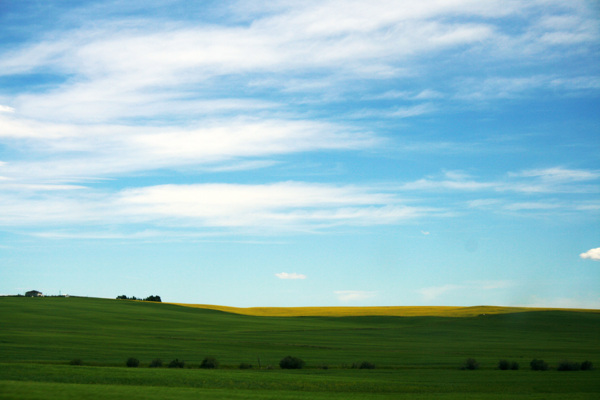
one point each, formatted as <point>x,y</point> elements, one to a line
<point>346,296</point>
<point>292,276</point>
<point>287,206</point>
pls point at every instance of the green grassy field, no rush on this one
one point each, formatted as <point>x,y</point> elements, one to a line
<point>416,357</point>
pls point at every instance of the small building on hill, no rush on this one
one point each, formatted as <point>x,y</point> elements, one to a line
<point>33,293</point>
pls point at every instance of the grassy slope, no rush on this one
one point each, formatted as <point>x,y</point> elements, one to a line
<point>108,331</point>
<point>417,356</point>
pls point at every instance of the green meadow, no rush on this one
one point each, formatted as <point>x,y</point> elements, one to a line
<point>416,357</point>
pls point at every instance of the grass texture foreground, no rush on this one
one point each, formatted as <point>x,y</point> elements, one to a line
<point>416,357</point>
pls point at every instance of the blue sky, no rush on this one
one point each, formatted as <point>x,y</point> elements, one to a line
<point>317,153</point>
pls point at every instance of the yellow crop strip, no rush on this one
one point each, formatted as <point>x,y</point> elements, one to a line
<point>399,311</point>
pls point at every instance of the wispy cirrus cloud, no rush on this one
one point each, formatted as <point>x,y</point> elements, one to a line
<point>126,99</point>
<point>283,206</point>
<point>293,275</point>
<point>549,180</point>
<point>75,151</point>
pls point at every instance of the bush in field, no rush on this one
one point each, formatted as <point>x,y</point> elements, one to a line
<point>470,363</point>
<point>366,365</point>
<point>156,363</point>
<point>290,362</point>
<point>209,363</point>
<point>76,361</point>
<point>586,365</point>
<point>245,366</point>
<point>504,365</point>
<point>538,365</point>
<point>176,364</point>
<point>568,366</point>
<point>132,362</point>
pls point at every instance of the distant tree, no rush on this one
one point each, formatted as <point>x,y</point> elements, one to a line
<point>153,298</point>
<point>209,363</point>
<point>132,362</point>
<point>568,366</point>
<point>156,363</point>
<point>586,365</point>
<point>538,365</point>
<point>290,362</point>
<point>366,365</point>
<point>245,366</point>
<point>470,363</point>
<point>176,364</point>
<point>122,297</point>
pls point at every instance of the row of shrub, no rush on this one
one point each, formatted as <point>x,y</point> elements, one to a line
<point>149,298</point>
<point>207,363</point>
<point>288,362</point>
<point>535,365</point>
<point>566,365</point>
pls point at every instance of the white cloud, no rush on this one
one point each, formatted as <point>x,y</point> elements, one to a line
<point>293,275</point>
<point>279,205</point>
<point>283,206</point>
<point>560,174</point>
<point>413,111</point>
<point>108,150</point>
<point>354,295</point>
<point>592,254</point>
<point>121,69</point>
<point>6,109</point>
<point>550,180</point>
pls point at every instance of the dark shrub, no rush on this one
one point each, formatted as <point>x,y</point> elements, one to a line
<point>538,365</point>
<point>568,366</point>
<point>132,362</point>
<point>76,361</point>
<point>504,365</point>
<point>470,363</point>
<point>176,364</point>
<point>366,365</point>
<point>156,363</point>
<point>245,366</point>
<point>209,363</point>
<point>290,362</point>
<point>586,365</point>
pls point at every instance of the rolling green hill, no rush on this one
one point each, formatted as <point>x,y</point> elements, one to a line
<point>106,332</point>
<point>39,336</point>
